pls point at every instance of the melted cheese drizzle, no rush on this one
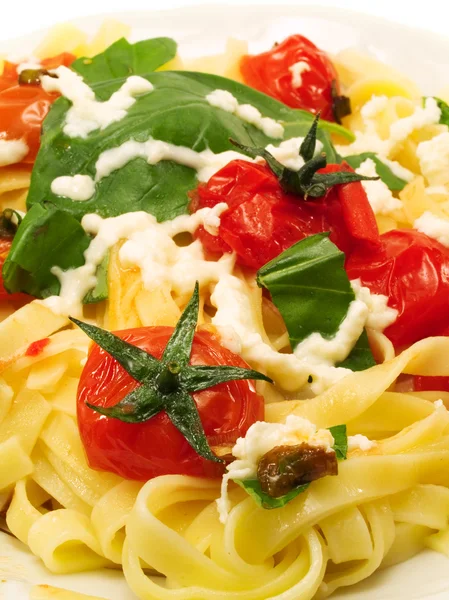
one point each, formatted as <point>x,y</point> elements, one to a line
<point>297,70</point>
<point>12,151</point>
<point>206,164</point>
<point>315,356</point>
<point>248,113</point>
<point>86,113</point>
<point>149,246</point>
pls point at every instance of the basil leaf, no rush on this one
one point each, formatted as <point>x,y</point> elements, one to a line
<point>444,107</point>
<point>310,288</point>
<point>361,356</point>
<point>340,441</point>
<point>252,487</point>
<point>177,112</point>
<point>47,237</point>
<point>395,183</point>
<point>100,291</point>
<point>123,59</point>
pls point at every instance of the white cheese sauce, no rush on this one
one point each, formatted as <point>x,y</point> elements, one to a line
<point>262,437</point>
<point>206,163</point>
<point>248,113</point>
<point>379,195</point>
<point>12,151</point>
<point>297,70</point>
<point>78,187</point>
<point>433,226</point>
<point>87,113</point>
<point>234,312</point>
<point>149,246</point>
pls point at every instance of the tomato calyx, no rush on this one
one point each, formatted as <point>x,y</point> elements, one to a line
<point>341,105</point>
<point>167,384</point>
<point>306,182</point>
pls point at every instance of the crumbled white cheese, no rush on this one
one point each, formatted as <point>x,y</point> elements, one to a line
<point>360,442</point>
<point>287,153</point>
<point>226,101</point>
<point>433,158</point>
<point>369,139</point>
<point>78,187</point>
<point>297,70</point>
<point>379,195</point>
<point>12,151</point>
<point>380,315</point>
<point>438,403</point>
<point>433,226</point>
<point>262,437</point>
<point>87,113</point>
<point>149,245</point>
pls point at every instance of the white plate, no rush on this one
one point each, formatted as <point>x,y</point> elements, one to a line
<point>423,56</point>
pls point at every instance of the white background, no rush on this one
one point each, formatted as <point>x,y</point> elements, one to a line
<point>19,17</point>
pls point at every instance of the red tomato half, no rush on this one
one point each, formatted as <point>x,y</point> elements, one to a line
<point>270,73</point>
<point>262,220</point>
<point>24,107</point>
<point>413,271</point>
<point>145,450</point>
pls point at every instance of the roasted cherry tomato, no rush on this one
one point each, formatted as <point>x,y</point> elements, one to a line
<point>413,271</point>
<point>24,107</point>
<point>262,220</point>
<point>145,450</point>
<point>273,73</point>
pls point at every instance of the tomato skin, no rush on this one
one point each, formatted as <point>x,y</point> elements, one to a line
<point>270,73</point>
<point>413,271</point>
<point>146,450</point>
<point>24,107</point>
<point>262,220</point>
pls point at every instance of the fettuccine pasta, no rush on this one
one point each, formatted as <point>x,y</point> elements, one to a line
<point>178,534</point>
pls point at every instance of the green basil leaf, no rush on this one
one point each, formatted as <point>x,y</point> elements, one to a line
<point>252,487</point>
<point>309,286</point>
<point>340,441</point>
<point>47,237</point>
<point>392,181</point>
<point>444,107</point>
<point>123,59</point>
<point>100,291</point>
